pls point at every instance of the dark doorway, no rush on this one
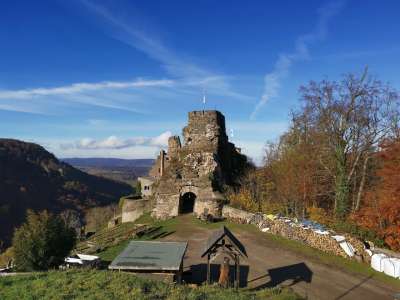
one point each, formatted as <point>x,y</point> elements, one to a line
<point>187,203</point>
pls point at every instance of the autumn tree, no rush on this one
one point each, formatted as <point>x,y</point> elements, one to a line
<point>352,116</point>
<point>381,209</point>
<point>248,194</point>
<point>298,180</point>
<point>326,158</point>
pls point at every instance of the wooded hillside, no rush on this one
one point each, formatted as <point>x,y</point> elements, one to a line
<point>32,178</point>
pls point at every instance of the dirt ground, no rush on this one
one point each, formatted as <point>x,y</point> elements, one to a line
<point>269,266</point>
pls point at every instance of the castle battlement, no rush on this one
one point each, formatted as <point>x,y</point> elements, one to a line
<point>209,116</point>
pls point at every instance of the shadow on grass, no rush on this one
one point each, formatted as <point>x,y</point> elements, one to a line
<point>162,235</point>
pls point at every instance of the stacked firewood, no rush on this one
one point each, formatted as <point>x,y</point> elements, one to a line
<point>323,242</point>
<point>290,229</point>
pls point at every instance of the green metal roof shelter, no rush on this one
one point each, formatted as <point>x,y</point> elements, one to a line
<point>151,257</point>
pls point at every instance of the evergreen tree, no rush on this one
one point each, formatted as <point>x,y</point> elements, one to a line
<point>42,242</point>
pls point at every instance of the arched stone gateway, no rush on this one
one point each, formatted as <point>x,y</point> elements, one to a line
<point>186,203</point>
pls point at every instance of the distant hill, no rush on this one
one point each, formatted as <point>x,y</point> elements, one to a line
<point>126,170</point>
<point>33,178</point>
<point>109,162</point>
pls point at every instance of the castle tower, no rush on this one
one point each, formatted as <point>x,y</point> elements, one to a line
<point>197,170</point>
<point>162,162</point>
<point>174,146</point>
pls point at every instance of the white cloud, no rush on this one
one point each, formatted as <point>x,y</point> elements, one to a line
<point>272,80</point>
<point>184,76</point>
<point>113,142</point>
<point>130,31</point>
<point>78,88</point>
<point>18,107</point>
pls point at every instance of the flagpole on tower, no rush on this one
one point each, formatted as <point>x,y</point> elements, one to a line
<point>204,99</point>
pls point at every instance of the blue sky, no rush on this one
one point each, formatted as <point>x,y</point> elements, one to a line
<point>116,78</point>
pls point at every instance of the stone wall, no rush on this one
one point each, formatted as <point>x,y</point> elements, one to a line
<point>156,168</point>
<point>132,209</point>
<point>167,206</point>
<point>174,146</point>
<point>237,215</point>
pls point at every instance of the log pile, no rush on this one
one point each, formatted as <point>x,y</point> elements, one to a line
<point>323,242</point>
<point>293,230</point>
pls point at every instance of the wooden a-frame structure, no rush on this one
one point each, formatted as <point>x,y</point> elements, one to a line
<point>222,241</point>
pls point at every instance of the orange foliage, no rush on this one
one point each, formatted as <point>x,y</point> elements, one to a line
<point>381,210</point>
<point>243,200</point>
<point>319,215</point>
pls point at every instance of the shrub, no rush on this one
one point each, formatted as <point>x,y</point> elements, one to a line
<point>42,242</point>
<point>319,215</point>
<point>358,231</point>
<point>243,200</point>
<point>6,257</point>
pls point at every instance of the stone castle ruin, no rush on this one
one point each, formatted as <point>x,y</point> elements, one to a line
<point>191,177</point>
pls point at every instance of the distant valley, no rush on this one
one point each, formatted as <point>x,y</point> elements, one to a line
<point>125,170</point>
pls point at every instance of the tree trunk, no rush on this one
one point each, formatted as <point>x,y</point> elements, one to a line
<point>341,184</point>
<point>362,183</point>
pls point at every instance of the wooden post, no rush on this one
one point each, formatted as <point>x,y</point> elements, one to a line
<point>179,274</point>
<point>237,277</point>
<point>208,269</point>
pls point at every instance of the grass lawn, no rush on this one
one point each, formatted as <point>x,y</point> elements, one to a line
<point>86,284</point>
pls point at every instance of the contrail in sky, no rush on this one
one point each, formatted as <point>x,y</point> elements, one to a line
<point>272,80</point>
